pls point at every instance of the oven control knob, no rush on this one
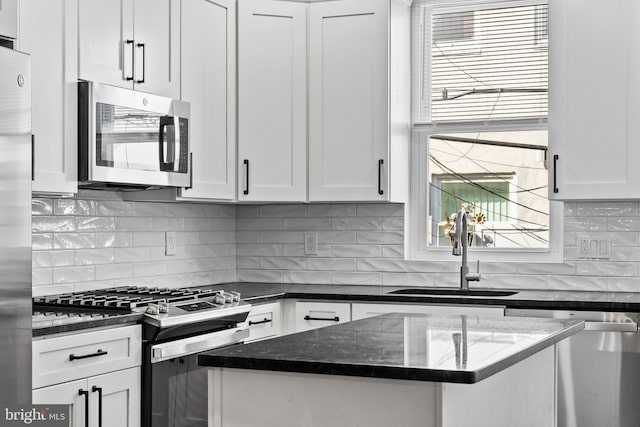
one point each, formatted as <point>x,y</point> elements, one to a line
<point>158,353</point>
<point>235,296</point>
<point>218,298</point>
<point>152,309</point>
<point>163,307</point>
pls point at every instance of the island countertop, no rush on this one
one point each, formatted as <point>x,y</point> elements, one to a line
<point>438,348</point>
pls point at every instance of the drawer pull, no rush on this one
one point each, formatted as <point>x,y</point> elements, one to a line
<point>327,319</point>
<point>85,393</point>
<point>73,357</point>
<point>259,322</point>
<point>99,390</point>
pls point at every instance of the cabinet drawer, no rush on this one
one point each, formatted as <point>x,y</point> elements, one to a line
<point>265,321</point>
<point>312,315</point>
<point>363,310</point>
<point>69,357</point>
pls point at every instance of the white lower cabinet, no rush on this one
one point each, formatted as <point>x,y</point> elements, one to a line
<point>96,372</point>
<point>312,315</point>
<point>264,321</point>
<point>364,310</point>
<point>115,396</point>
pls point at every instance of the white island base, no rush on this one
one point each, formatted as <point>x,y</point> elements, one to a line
<point>522,395</point>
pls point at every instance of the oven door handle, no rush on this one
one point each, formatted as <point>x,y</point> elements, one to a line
<point>186,346</point>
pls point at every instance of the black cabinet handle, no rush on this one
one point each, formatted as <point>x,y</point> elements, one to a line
<point>246,188</point>
<point>144,68</point>
<point>380,163</point>
<point>191,172</point>
<point>73,357</point>
<point>85,393</point>
<point>327,319</point>
<point>133,60</point>
<point>99,390</point>
<point>555,169</point>
<point>259,322</point>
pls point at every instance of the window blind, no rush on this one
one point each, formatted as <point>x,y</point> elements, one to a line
<point>484,63</point>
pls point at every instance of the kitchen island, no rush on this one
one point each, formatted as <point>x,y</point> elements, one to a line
<point>397,369</point>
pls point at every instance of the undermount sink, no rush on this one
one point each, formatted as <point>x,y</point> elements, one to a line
<point>454,292</point>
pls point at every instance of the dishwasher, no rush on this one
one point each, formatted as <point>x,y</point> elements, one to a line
<point>598,368</point>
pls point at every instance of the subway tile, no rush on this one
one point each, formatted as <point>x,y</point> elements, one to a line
<point>41,207</point>
<point>98,284</point>
<point>209,224</point>
<point>167,224</point>
<point>41,276</point>
<point>149,238</point>
<point>283,263</point>
<point>355,278</point>
<point>625,254</point>
<point>408,279</point>
<point>356,224</point>
<point>393,251</point>
<point>127,255</point>
<point>74,240</point>
<point>577,283</point>
<point>570,208</point>
<point>258,250</point>
<point>331,210</point>
<point>96,224</point>
<point>537,282</point>
<point>114,271</point>
<point>623,284</point>
<point>270,276</point>
<point>333,237</point>
<point>310,277</point>
<point>449,266</point>
<point>48,224</point>
<point>570,238</point>
<point>64,207</point>
<point>114,208</point>
<point>99,195</point>
<point>73,274</point>
<point>94,256</point>
<point>381,237</point>
<point>281,237</point>
<point>216,236</point>
<point>41,241</point>
<point>259,224</point>
<point>380,209</point>
<point>143,269</point>
<point>623,224</point>
<point>149,209</point>
<point>381,264</point>
<point>623,238</point>
<point>132,224</point>
<point>298,250</point>
<point>114,240</point>
<point>247,211</point>
<point>186,210</point>
<point>566,268</point>
<point>600,209</point>
<point>452,280</point>
<point>332,264</point>
<point>247,236</point>
<point>306,224</point>
<point>52,258</point>
<point>246,263</point>
<point>393,223</point>
<point>39,291</point>
<point>282,211</point>
<point>86,207</point>
<point>585,224</point>
<point>361,251</point>
<point>595,268</point>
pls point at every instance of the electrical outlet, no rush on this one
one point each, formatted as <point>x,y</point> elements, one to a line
<point>310,243</point>
<point>170,243</point>
<point>593,246</point>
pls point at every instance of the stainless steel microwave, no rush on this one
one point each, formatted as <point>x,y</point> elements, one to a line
<point>131,140</point>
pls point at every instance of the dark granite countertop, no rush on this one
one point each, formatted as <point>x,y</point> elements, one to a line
<point>402,346</point>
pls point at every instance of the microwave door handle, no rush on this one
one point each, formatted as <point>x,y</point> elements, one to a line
<point>166,146</point>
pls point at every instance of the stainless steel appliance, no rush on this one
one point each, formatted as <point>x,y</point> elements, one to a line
<point>130,139</point>
<point>15,227</point>
<point>598,369</point>
<point>177,325</point>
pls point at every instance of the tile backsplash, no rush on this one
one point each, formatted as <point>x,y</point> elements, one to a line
<point>98,240</point>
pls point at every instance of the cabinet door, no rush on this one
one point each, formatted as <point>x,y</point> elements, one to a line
<point>157,46</point>
<point>208,83</point>
<point>119,394</point>
<point>272,76</point>
<point>313,315</point>
<point>105,56</point>
<point>48,31</point>
<point>348,100</point>
<point>9,18</point>
<point>65,394</point>
<point>361,311</point>
<point>593,79</point>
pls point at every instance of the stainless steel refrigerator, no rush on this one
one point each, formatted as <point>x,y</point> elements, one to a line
<point>15,227</point>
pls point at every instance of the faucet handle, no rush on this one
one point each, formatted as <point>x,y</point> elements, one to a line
<point>474,277</point>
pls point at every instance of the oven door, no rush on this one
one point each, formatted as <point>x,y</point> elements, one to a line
<point>174,385</point>
<point>130,137</point>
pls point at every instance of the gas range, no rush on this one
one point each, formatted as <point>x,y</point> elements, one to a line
<point>162,307</point>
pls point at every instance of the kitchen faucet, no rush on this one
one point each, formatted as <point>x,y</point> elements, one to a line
<point>460,243</point>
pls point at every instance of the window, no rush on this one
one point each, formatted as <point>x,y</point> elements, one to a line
<point>480,121</point>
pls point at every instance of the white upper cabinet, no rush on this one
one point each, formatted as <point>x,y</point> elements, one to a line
<point>272,133</point>
<point>48,31</point>
<point>131,44</point>
<point>209,84</point>
<point>9,19</point>
<point>594,79</point>
<point>358,100</point>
